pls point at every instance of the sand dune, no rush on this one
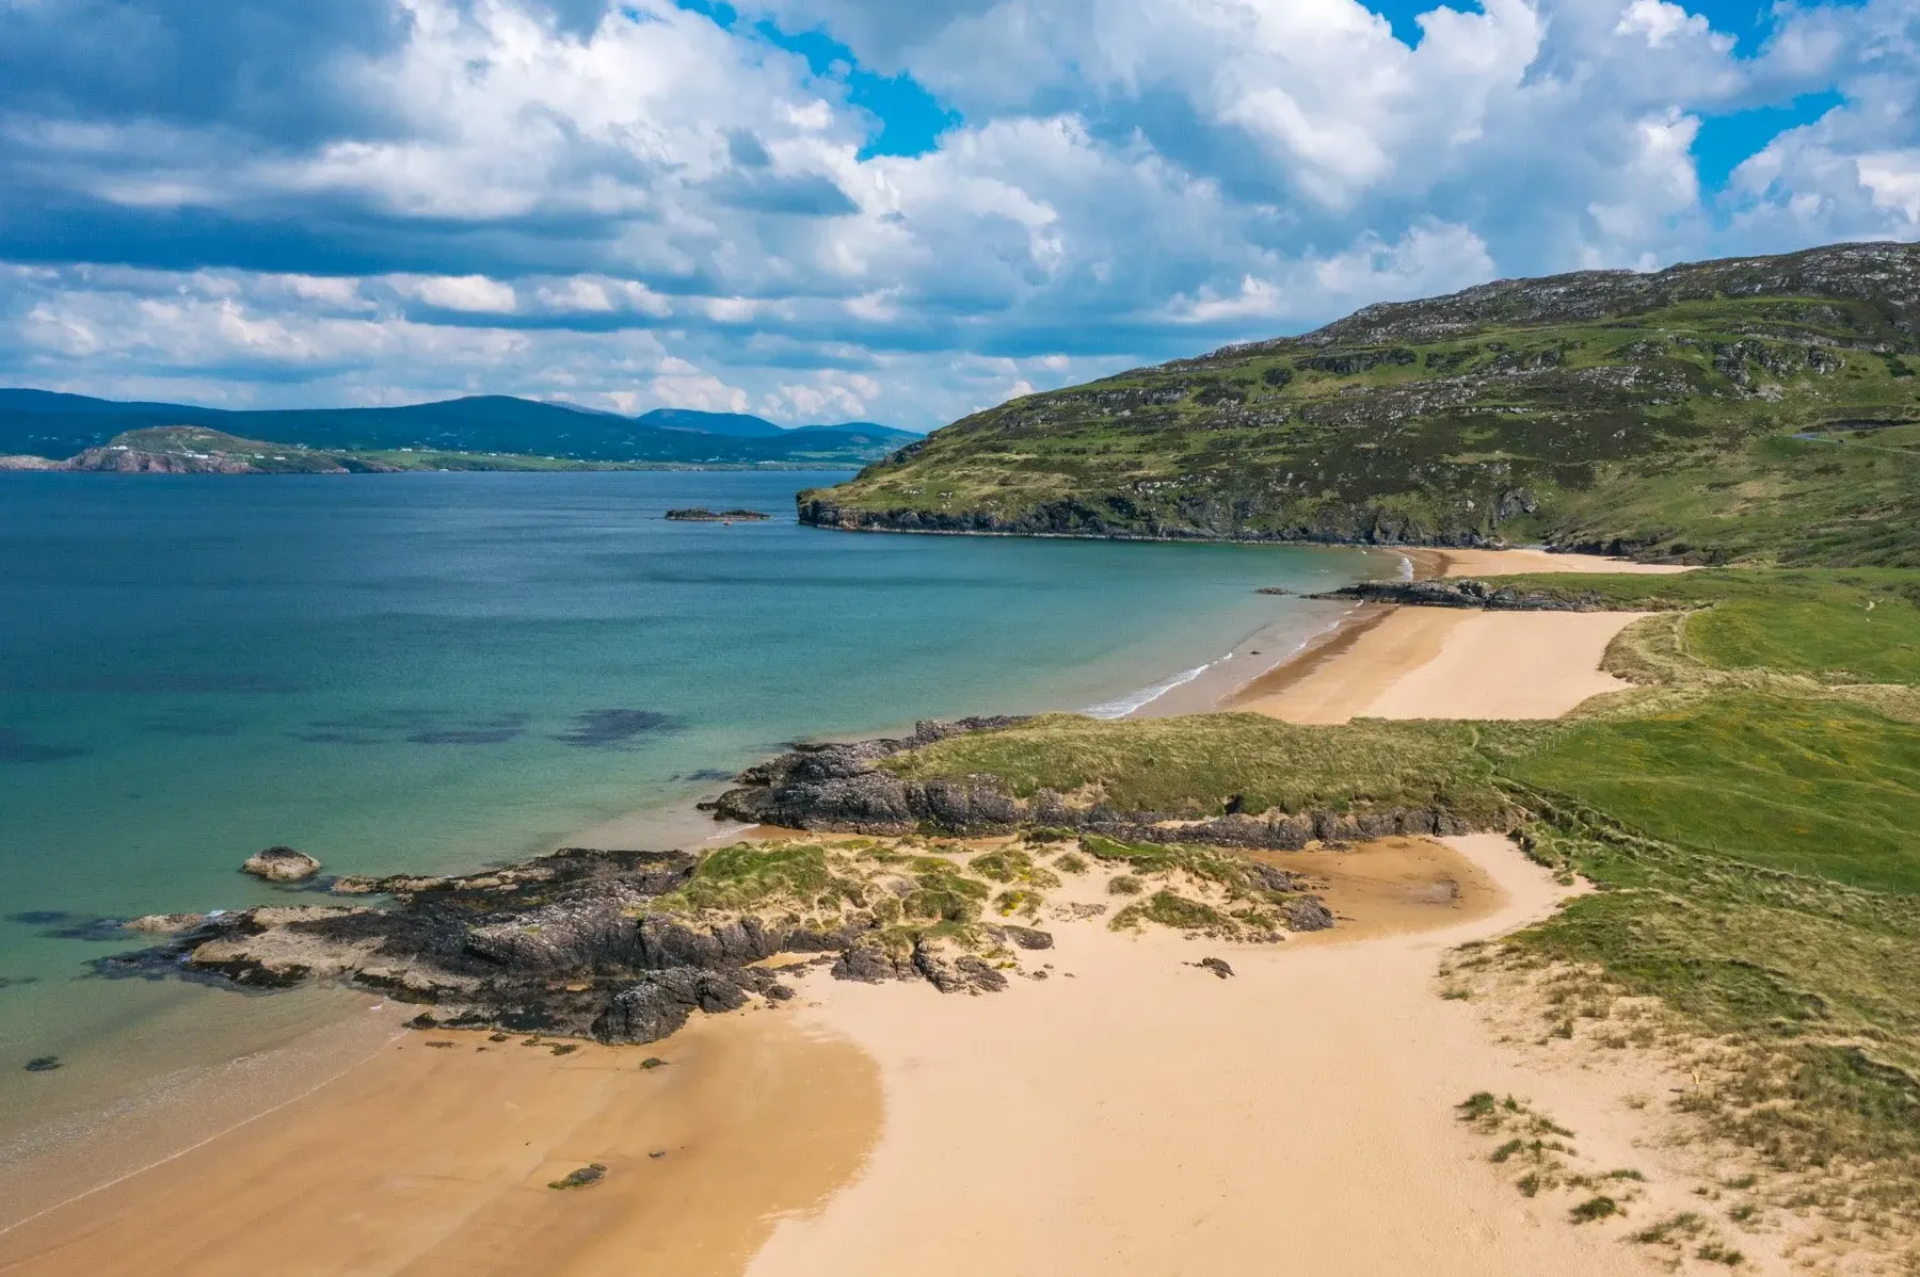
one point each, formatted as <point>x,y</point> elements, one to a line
<point>1462,562</point>
<point>1144,1117</point>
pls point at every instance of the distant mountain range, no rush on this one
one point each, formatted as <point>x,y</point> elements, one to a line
<point>46,424</point>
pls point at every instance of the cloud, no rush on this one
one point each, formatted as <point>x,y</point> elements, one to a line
<point>632,204</point>
<point>464,292</point>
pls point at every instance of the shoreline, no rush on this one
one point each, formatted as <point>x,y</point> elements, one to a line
<point>83,1149</point>
<point>1333,648</point>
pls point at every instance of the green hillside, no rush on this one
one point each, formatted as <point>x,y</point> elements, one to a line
<point>1755,410</point>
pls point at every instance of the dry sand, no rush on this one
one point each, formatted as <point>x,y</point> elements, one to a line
<point>1134,1114</point>
<point>1445,663</point>
<point>1452,562</point>
<point>1387,662</point>
<point>436,1160</point>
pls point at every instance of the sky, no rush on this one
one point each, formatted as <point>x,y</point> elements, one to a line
<point>826,210</point>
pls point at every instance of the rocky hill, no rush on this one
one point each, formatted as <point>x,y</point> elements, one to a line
<point>1751,409</point>
<point>194,450</point>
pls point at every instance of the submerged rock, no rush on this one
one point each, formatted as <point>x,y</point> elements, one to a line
<point>165,924</point>
<point>281,864</point>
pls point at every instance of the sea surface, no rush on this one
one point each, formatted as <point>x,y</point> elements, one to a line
<point>440,671</point>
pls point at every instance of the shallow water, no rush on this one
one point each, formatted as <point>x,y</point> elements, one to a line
<point>430,672</point>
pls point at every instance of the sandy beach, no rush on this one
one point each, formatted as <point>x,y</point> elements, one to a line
<point>1134,1114</point>
<point>435,1157</point>
<point>1127,1113</point>
<point>1387,662</point>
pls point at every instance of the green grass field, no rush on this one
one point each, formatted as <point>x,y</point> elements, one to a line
<point>1756,844</point>
<point>1195,766</point>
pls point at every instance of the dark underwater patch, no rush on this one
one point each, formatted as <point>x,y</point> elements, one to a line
<point>606,727</point>
<point>16,748</point>
<point>60,924</point>
<point>414,727</point>
<point>710,773</point>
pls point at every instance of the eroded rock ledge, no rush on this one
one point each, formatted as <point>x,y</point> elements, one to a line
<point>842,788</point>
<point>569,944</point>
<point>1466,593</point>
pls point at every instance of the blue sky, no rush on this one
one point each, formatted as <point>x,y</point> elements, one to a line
<point>833,209</point>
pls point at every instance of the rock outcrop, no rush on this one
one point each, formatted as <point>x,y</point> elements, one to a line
<point>570,944</point>
<point>1468,594</point>
<point>842,788</point>
<point>281,864</point>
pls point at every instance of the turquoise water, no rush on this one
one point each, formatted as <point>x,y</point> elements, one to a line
<point>430,672</point>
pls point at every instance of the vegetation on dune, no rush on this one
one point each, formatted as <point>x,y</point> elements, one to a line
<point>1203,765</point>
<point>1805,983</point>
<point>1811,786</point>
<point>1761,410</point>
<point>1749,816</point>
<point>1849,624</point>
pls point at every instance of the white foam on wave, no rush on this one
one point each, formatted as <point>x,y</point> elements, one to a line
<point>1135,701</point>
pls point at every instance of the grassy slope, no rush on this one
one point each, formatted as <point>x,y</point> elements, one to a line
<point>1852,624</point>
<point>1194,766</point>
<point>1757,853</point>
<point>1666,423</point>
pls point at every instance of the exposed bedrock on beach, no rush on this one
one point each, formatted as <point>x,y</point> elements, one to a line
<point>569,944</point>
<point>843,788</point>
<point>1466,593</point>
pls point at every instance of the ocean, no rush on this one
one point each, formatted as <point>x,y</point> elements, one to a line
<point>441,671</point>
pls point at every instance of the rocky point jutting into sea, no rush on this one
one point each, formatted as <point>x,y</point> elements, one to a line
<point>623,946</point>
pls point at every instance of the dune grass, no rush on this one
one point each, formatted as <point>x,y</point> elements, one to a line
<point>1198,766</point>
<point>1810,786</point>
<point>1839,624</point>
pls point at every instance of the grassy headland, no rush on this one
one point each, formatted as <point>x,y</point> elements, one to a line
<point>1748,815</point>
<point>1659,414</point>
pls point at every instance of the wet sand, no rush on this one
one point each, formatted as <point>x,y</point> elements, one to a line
<point>430,1160</point>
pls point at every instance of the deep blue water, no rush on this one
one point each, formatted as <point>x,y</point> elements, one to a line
<point>436,671</point>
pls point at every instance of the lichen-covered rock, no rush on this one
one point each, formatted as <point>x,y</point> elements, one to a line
<point>165,924</point>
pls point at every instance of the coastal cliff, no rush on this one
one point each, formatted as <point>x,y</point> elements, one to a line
<point>1709,413</point>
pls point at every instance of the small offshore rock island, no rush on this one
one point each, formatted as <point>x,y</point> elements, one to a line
<point>700,514</point>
